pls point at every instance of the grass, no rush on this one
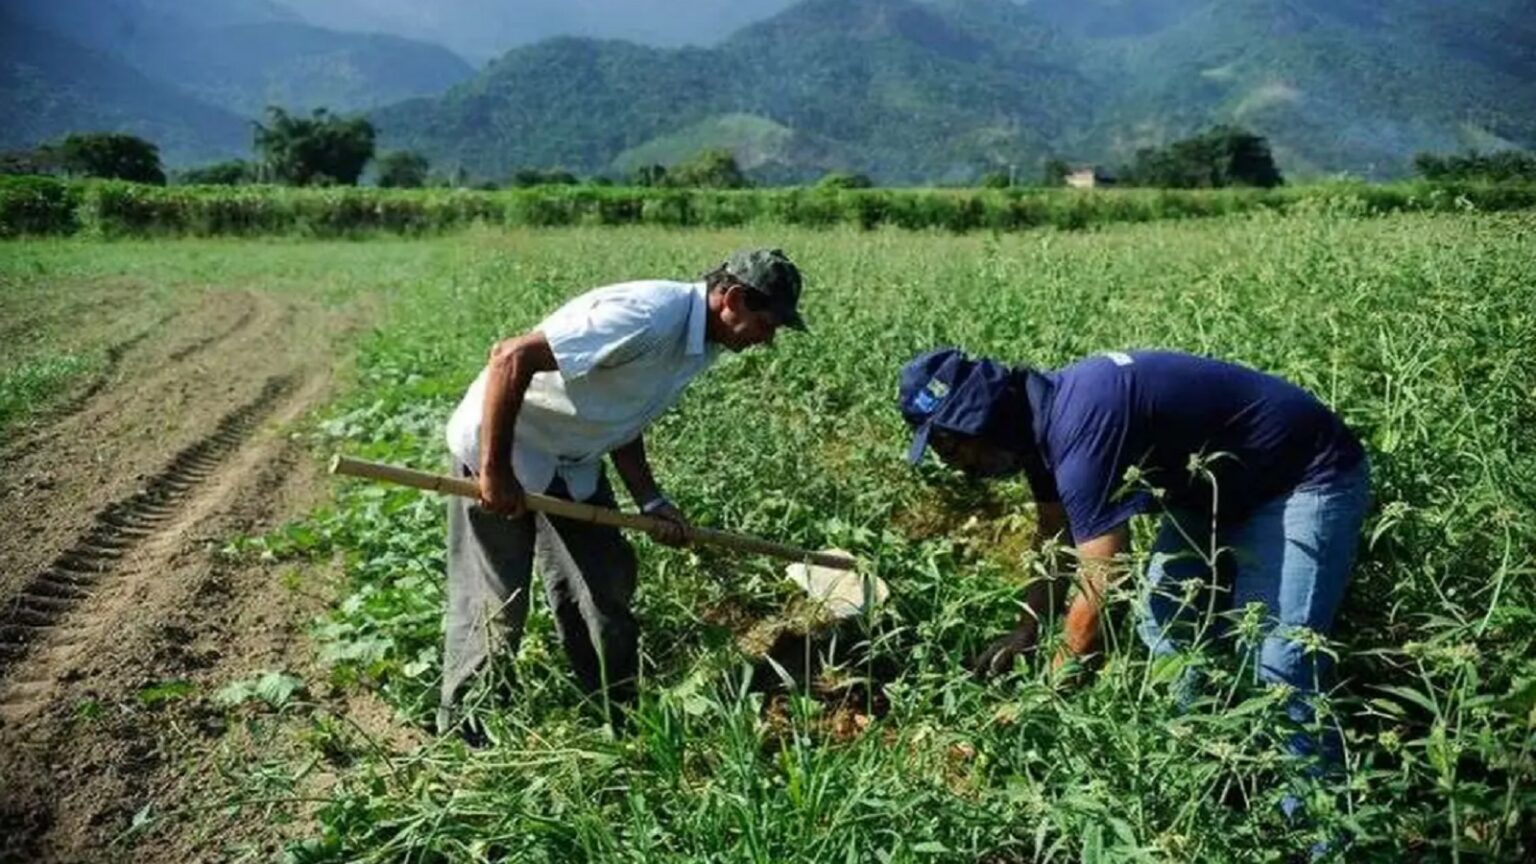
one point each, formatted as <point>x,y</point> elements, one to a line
<point>1417,328</point>
<point>27,388</point>
<point>69,308</point>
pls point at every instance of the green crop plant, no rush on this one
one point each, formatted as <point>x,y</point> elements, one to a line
<point>1417,327</point>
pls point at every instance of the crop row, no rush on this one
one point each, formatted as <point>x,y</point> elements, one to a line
<point>42,206</point>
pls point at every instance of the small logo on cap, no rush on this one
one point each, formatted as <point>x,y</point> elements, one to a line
<point>930,396</point>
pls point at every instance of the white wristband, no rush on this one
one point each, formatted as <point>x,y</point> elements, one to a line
<point>655,504</point>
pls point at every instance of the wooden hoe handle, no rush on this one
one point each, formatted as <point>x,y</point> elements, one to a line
<point>584,512</point>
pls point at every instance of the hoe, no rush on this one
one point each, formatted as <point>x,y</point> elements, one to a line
<point>828,578</point>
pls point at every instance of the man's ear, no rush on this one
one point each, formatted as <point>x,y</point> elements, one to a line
<point>734,295</point>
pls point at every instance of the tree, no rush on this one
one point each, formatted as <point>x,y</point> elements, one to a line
<point>1505,166</point>
<point>1247,158</point>
<point>841,180</point>
<point>710,169</point>
<point>112,155</point>
<point>230,173</point>
<point>650,175</point>
<point>318,150</point>
<point>1431,166</point>
<point>524,177</point>
<point>1223,156</point>
<point>996,180</point>
<point>403,169</point>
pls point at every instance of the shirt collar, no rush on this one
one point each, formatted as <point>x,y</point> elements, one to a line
<point>698,316</point>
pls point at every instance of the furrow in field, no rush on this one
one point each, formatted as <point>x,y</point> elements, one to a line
<point>44,603</point>
<point>113,369</point>
<point>164,396</point>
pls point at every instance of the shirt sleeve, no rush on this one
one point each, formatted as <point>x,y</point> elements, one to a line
<point>587,333</point>
<point>1094,499</point>
<point>1090,472</point>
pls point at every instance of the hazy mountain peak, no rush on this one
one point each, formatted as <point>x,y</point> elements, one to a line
<point>861,21</point>
<point>482,29</point>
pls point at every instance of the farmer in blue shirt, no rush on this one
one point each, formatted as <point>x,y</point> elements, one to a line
<point>1247,471</point>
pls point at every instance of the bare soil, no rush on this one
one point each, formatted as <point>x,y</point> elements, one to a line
<point>118,612</point>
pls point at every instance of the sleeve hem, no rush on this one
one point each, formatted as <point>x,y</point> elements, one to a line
<point>1109,521</point>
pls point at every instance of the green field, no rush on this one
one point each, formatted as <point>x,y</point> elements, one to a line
<point>1418,328</point>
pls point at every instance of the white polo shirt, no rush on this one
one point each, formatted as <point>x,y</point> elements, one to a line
<point>625,352</point>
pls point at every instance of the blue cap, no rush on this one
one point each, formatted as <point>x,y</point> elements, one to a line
<point>945,389</point>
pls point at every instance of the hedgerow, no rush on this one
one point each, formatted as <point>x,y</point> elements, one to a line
<point>119,209</point>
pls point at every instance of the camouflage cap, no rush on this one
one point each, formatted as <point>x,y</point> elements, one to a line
<point>770,273</point>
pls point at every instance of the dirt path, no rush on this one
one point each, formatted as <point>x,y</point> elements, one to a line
<point>110,579</point>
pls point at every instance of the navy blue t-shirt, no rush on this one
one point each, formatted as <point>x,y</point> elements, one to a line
<point>1097,418</point>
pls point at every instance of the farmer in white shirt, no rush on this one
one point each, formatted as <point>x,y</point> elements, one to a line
<point>541,416</point>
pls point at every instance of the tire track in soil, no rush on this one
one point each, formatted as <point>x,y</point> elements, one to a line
<point>39,606</point>
<point>110,582</point>
<point>170,611</point>
<point>107,440</point>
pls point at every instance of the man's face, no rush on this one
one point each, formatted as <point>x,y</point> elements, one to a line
<point>741,327</point>
<point>974,456</point>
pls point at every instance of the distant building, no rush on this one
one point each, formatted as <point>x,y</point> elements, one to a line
<point>1088,178</point>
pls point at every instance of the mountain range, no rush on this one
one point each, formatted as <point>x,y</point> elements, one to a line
<point>191,75</point>
<point>941,91</point>
<point>903,90</point>
<point>51,86</point>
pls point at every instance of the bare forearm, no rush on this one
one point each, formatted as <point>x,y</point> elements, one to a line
<point>512,365</point>
<point>1080,634</point>
<point>671,527</point>
<point>1097,560</point>
<point>634,469</point>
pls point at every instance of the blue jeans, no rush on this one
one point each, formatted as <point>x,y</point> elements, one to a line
<point>1293,555</point>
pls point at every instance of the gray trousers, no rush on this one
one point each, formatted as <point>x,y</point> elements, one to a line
<point>589,578</point>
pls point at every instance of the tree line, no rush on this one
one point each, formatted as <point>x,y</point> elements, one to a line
<point>322,149</point>
<point>326,149</point>
<point>1505,166</point>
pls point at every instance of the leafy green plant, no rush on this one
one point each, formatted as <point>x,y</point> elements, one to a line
<point>165,691</point>
<point>37,205</point>
<point>276,689</point>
